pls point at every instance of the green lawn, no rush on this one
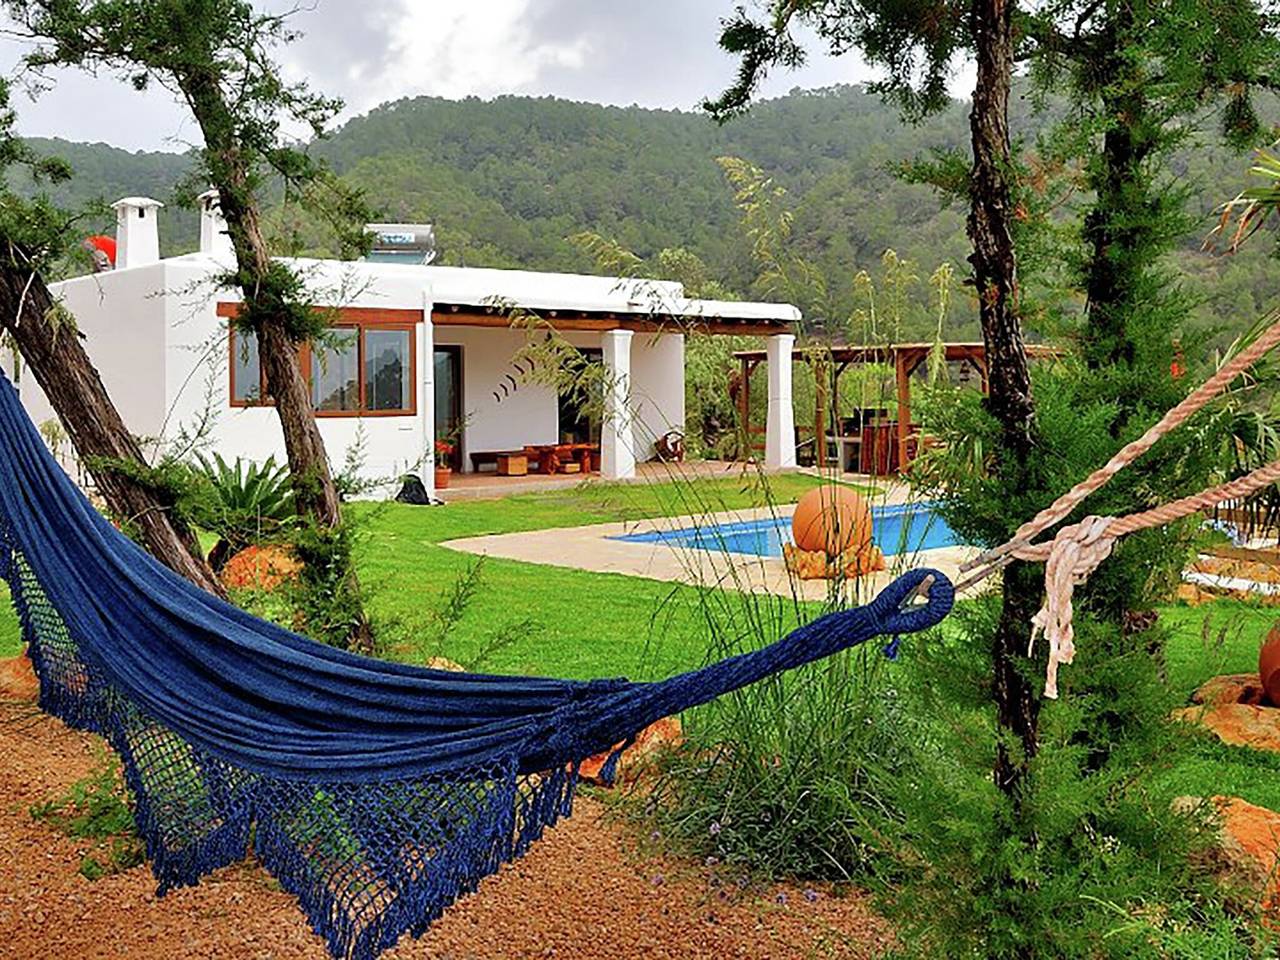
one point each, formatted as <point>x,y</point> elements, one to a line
<point>1221,637</point>
<point>553,621</point>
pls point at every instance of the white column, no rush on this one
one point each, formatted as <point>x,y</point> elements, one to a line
<point>427,396</point>
<point>780,426</point>
<point>617,441</point>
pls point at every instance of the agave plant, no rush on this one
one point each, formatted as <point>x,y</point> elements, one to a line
<point>243,503</point>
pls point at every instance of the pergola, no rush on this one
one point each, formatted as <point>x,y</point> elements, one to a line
<point>830,363</point>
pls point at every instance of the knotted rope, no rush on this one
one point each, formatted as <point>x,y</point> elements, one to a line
<point>1077,550</point>
<point>1068,560</point>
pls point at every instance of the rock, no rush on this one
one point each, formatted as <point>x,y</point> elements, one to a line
<point>1245,852</point>
<point>260,568</point>
<point>638,757</point>
<point>866,561</point>
<point>1239,724</point>
<point>1231,688</point>
<point>18,680</point>
<point>1193,595</point>
<point>816,565</point>
<point>805,564</point>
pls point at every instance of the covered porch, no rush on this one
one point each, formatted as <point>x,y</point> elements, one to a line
<point>508,426</point>
<point>877,438</point>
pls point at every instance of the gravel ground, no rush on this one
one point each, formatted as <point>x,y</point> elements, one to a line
<point>584,891</point>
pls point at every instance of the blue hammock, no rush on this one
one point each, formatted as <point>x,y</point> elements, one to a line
<point>377,793</point>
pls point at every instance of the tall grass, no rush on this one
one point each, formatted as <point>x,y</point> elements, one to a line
<point>792,775</point>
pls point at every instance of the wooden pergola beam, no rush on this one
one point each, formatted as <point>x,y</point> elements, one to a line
<point>457,315</point>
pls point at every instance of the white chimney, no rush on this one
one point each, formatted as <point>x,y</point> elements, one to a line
<point>214,239</point>
<point>137,232</point>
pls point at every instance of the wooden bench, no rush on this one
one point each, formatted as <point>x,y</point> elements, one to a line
<point>556,457</point>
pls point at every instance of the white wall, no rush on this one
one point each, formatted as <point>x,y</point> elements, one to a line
<point>198,380</point>
<point>124,334</point>
<point>657,388</point>
<point>163,353</point>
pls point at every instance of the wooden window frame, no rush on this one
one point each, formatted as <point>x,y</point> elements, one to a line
<point>264,398</point>
<point>362,411</point>
<point>361,320</point>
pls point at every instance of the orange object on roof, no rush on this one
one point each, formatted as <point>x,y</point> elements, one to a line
<point>103,250</point>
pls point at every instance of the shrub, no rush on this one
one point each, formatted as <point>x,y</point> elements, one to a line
<point>244,503</point>
<point>1100,864</point>
<point>790,777</point>
<point>787,776</point>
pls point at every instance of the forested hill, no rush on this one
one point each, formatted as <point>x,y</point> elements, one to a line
<point>507,180</point>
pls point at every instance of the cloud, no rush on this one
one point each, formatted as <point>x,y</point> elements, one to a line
<point>477,48</point>
<point>656,53</point>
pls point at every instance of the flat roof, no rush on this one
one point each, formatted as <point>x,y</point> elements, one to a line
<point>491,290</point>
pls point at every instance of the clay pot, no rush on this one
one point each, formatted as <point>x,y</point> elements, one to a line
<point>442,477</point>
<point>832,520</point>
<point>1269,665</point>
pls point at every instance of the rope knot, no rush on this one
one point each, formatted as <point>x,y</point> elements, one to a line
<point>1069,559</point>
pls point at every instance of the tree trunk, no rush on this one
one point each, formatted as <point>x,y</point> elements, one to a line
<point>270,297</point>
<point>314,490</point>
<point>995,275</point>
<point>61,366</point>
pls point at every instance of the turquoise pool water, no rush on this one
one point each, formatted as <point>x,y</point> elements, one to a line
<point>907,528</point>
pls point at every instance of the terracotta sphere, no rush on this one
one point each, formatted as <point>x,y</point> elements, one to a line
<point>1269,665</point>
<point>832,520</point>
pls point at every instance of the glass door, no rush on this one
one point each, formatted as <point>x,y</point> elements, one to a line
<point>580,421</point>
<point>448,384</point>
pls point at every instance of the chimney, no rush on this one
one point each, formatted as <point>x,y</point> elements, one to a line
<point>214,240</point>
<point>137,232</point>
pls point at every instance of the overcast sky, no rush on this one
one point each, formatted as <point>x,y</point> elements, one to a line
<point>656,53</point>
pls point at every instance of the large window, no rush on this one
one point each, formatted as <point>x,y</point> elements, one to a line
<point>335,372</point>
<point>248,385</point>
<point>365,370</point>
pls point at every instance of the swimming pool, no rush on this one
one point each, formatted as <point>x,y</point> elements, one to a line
<point>906,528</point>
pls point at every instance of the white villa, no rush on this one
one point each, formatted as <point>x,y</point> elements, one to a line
<point>420,352</point>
